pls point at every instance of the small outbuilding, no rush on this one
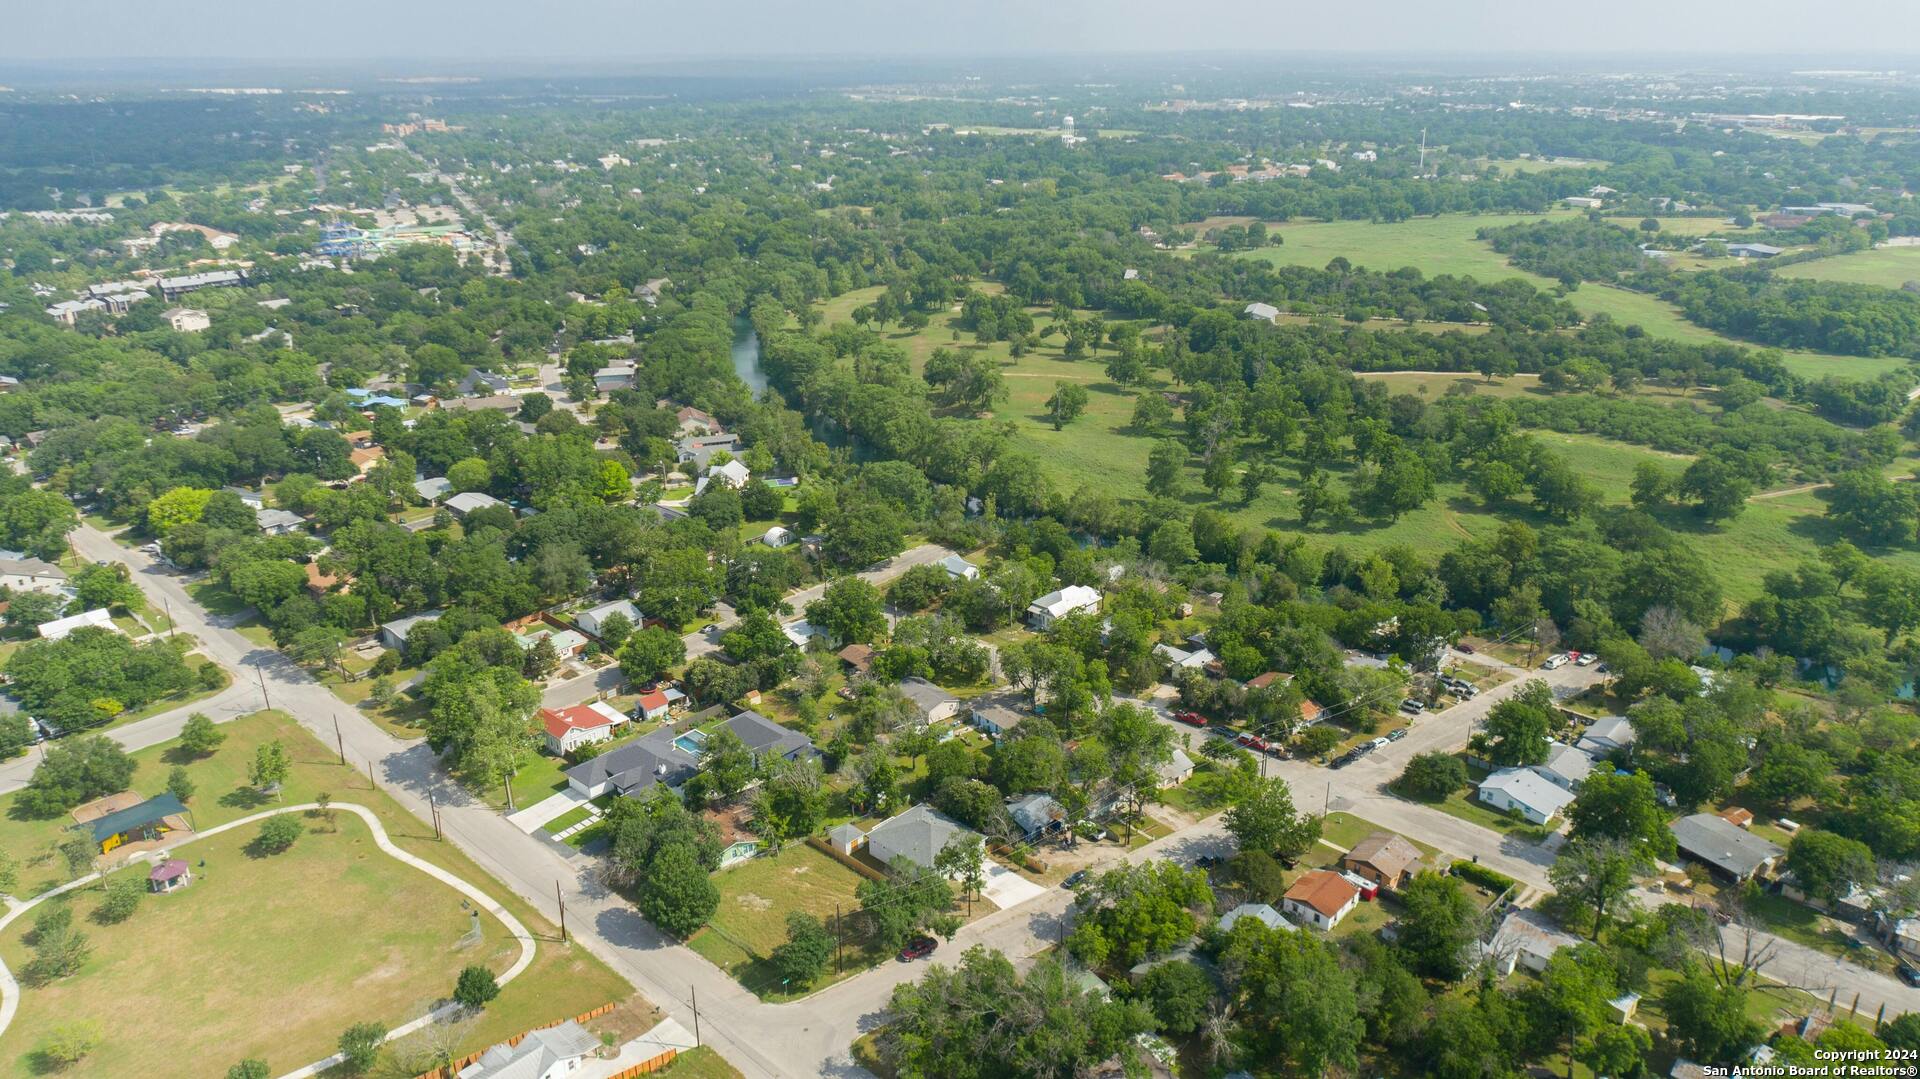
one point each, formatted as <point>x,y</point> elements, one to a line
<point>169,876</point>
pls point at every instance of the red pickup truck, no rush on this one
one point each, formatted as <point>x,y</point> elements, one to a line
<point>1191,719</point>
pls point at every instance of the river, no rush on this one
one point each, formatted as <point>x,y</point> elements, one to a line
<point>746,356</point>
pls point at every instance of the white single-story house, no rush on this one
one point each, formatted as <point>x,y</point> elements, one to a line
<point>1053,606</point>
<point>593,619</point>
<point>545,1053</point>
<point>1321,898</point>
<point>394,633</point>
<point>1565,766</point>
<point>1179,659</point>
<point>930,701</point>
<point>567,729</point>
<point>469,501</point>
<point>1526,792</point>
<point>1265,312</point>
<point>998,714</point>
<point>1177,770</point>
<point>800,631</point>
<point>734,474</point>
<point>98,618</point>
<point>254,499</point>
<point>653,704</point>
<point>959,568</point>
<point>31,575</point>
<point>776,536</point>
<point>1527,938</point>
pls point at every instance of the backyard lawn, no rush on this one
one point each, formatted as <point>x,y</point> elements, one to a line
<point>375,981</point>
<point>755,899</point>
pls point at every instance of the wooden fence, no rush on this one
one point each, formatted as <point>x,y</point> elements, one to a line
<point>847,860</point>
<point>453,1069</point>
<point>647,1067</point>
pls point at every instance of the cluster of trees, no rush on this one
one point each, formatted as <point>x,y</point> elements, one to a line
<point>1791,312</point>
<point>91,675</point>
<point>1570,251</point>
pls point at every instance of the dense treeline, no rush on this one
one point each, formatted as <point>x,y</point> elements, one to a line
<point>1828,316</point>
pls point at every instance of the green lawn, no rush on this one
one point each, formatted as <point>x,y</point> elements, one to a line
<point>1888,267</point>
<point>215,598</point>
<point>1345,829</point>
<point>567,820</point>
<point>755,899</point>
<point>250,979</point>
<point>1804,925</point>
<point>701,1062</point>
<point>243,973</point>
<point>1466,805</point>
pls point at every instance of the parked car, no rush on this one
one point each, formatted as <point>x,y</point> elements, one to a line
<point>1395,736</point>
<point>917,948</point>
<point>1345,759</point>
<point>1074,879</point>
<point>1585,659</point>
<point>1909,975</point>
<point>1376,744</point>
<point>1253,742</point>
<point>1467,648</point>
<point>1207,861</point>
<point>1191,719</point>
<point>1555,662</point>
<point>1412,707</point>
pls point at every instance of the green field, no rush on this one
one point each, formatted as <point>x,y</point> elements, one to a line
<point>1446,245</point>
<point>227,979</point>
<point>241,970</point>
<point>755,899</point>
<point>1888,267</point>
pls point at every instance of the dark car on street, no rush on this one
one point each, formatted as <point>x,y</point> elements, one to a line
<point>917,948</point>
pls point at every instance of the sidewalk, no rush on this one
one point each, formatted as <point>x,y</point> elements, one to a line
<point>669,1034</point>
<point>535,816</point>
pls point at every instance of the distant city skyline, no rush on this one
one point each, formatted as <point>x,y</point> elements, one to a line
<point>638,30</point>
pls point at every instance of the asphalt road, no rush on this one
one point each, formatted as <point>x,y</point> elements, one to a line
<point>812,1036</point>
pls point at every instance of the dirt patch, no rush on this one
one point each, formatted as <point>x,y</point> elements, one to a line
<point>753,902</point>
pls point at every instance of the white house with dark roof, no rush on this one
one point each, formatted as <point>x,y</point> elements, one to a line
<point>932,703</point>
<point>1526,792</point>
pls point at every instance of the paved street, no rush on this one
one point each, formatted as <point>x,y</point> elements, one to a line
<point>812,1037</point>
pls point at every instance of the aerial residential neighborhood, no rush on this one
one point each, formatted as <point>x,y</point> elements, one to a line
<point>866,559</point>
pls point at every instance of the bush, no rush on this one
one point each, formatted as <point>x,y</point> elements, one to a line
<point>1316,741</point>
<point>1475,873</point>
<point>277,834</point>
<point>69,1043</point>
<point>476,986</point>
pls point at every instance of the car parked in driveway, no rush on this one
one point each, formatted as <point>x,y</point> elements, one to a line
<point>917,948</point>
<point>1074,879</point>
<point>1412,707</point>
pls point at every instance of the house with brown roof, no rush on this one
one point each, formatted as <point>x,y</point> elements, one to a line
<point>1384,858</point>
<point>319,581</point>
<point>365,459</point>
<point>858,658</point>
<point>1321,898</point>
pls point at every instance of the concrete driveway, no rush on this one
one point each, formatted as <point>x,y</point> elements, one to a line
<point>1007,888</point>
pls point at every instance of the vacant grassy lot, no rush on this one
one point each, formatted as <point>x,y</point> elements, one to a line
<point>240,969</point>
<point>563,981</point>
<point>755,899</point>
<point>1888,267</point>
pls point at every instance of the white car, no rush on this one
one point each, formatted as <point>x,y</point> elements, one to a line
<point>1555,662</point>
<point>1587,659</point>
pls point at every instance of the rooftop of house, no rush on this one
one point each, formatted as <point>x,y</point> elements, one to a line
<point>1723,845</point>
<point>1323,890</point>
<point>919,834</point>
<point>1387,852</point>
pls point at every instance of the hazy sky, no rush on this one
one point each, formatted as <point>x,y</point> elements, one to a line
<point>642,29</point>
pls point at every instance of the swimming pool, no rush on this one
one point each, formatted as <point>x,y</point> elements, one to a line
<point>691,742</point>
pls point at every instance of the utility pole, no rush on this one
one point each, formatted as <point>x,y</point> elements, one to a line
<point>433,807</point>
<point>695,993</point>
<point>265,701</point>
<point>562,904</point>
<point>339,741</point>
<point>168,605</point>
<point>372,782</point>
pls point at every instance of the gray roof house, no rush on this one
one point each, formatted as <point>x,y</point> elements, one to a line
<point>480,383</point>
<point>1264,311</point>
<point>918,835</point>
<point>1725,848</point>
<point>930,701</point>
<point>433,490</point>
<point>1036,813</point>
<point>468,501</point>
<point>1565,766</point>
<point>394,633</point>
<point>545,1053</point>
<point>959,568</point>
<point>1259,912</point>
<point>1607,734</point>
<point>276,522</point>
<point>846,838</point>
<point>998,713</point>
<point>665,757</point>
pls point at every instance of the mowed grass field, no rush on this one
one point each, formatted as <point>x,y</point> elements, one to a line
<point>755,899</point>
<point>1447,245</point>
<point>562,982</point>
<point>1102,452</point>
<point>1888,267</point>
<point>260,956</point>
